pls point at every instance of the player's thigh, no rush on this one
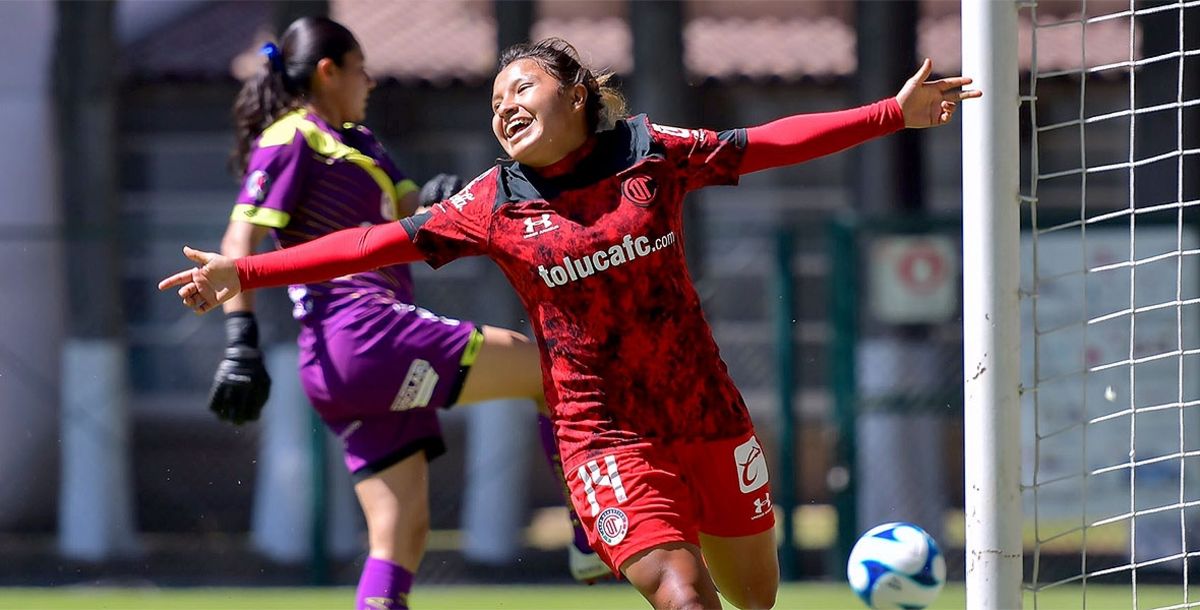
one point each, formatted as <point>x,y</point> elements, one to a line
<point>395,502</point>
<point>672,575</point>
<point>731,483</point>
<point>745,568</point>
<point>507,366</point>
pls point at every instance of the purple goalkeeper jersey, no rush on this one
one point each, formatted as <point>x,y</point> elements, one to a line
<point>304,179</point>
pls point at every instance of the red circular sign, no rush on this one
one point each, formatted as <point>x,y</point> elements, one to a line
<point>921,268</point>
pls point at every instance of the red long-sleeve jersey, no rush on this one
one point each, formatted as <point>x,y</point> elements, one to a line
<point>594,248</point>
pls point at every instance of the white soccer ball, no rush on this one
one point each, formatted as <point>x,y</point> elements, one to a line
<point>896,566</point>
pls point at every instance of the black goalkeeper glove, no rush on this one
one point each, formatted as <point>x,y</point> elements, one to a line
<point>439,188</point>
<point>241,385</point>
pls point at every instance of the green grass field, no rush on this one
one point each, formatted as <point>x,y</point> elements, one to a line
<point>808,596</point>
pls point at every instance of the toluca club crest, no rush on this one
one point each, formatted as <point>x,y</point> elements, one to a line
<point>612,525</point>
<point>640,190</point>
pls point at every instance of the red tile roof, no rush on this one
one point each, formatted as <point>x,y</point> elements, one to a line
<point>434,40</point>
<point>442,40</point>
<point>202,43</point>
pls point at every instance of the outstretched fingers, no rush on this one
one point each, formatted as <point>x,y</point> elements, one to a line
<point>952,88</point>
<point>177,279</point>
<point>205,286</point>
<point>953,82</point>
<point>195,290</point>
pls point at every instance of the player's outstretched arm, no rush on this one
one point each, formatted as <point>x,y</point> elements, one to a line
<point>799,138</point>
<point>220,278</point>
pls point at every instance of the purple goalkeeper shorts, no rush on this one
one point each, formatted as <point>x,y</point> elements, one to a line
<point>376,371</point>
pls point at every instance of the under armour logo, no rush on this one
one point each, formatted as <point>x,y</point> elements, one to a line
<point>763,504</point>
<point>538,226</point>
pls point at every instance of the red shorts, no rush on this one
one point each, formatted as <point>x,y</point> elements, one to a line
<point>640,496</point>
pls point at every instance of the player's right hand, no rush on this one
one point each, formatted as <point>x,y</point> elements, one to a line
<point>929,103</point>
<point>241,384</point>
<point>204,288</point>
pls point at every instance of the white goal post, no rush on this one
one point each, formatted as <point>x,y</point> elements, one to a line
<point>991,236</point>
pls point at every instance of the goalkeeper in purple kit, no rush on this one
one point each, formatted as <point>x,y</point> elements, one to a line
<point>374,366</point>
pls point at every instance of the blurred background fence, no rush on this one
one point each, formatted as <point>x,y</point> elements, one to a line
<point>125,109</point>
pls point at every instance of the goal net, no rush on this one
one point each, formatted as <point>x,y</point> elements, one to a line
<point>1109,304</point>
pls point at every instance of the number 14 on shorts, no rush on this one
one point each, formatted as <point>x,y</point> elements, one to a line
<point>593,476</point>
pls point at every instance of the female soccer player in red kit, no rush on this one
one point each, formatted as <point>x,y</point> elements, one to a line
<point>374,366</point>
<point>586,223</point>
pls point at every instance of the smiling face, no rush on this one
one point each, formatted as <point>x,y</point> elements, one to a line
<point>536,121</point>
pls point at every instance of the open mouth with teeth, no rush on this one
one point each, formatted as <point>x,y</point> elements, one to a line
<point>516,126</point>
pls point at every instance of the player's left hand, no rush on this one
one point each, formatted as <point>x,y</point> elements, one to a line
<point>929,103</point>
<point>241,384</point>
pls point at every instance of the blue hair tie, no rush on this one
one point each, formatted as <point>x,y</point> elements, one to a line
<point>274,57</point>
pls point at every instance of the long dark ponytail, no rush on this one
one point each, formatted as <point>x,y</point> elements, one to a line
<point>285,78</point>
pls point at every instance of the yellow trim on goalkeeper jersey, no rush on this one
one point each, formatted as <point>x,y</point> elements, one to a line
<point>472,350</point>
<point>267,217</point>
<point>323,143</point>
<point>404,187</point>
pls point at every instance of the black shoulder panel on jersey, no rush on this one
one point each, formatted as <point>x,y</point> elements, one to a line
<point>512,186</point>
<point>617,149</point>
<point>641,142</point>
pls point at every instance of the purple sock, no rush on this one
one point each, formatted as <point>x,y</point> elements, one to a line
<point>383,586</point>
<point>550,448</point>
